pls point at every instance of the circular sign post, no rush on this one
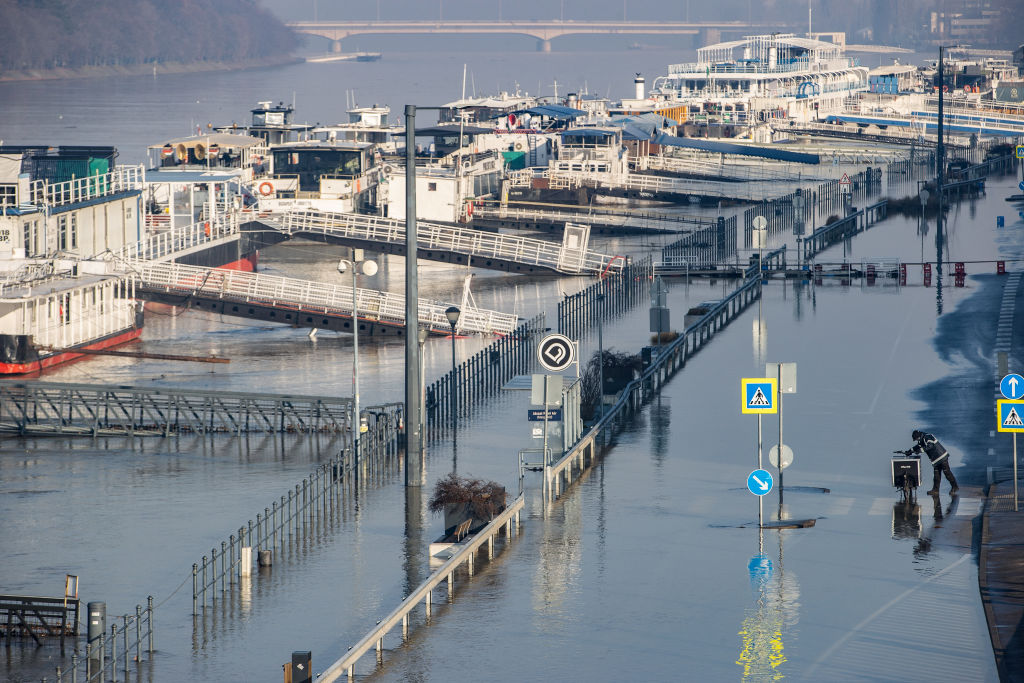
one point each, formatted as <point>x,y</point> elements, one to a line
<point>556,352</point>
<point>759,482</point>
<point>787,456</point>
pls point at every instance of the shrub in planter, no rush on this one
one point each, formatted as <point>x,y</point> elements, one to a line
<point>462,498</point>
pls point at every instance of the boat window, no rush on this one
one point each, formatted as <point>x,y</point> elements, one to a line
<point>431,187</point>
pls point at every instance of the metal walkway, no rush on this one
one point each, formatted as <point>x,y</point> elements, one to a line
<point>680,190</point>
<point>301,303</point>
<point>462,246</point>
<point>42,408</point>
<point>600,222</point>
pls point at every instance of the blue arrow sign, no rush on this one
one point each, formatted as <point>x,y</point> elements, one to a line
<point>759,482</point>
<point>1021,185</point>
<point>1012,386</point>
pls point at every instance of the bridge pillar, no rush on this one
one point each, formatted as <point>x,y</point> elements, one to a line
<point>543,45</point>
<point>336,45</point>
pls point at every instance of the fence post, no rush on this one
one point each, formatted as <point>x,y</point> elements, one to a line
<point>138,633</point>
<point>125,633</point>
<point>113,651</point>
<point>195,569</point>
<point>149,609</point>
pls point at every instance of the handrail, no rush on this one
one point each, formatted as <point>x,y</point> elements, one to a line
<point>276,290</point>
<point>574,453</point>
<point>436,236</point>
<point>422,592</point>
<point>169,243</point>
<point>119,179</point>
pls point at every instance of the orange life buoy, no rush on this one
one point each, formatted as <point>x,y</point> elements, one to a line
<point>967,88</point>
<point>469,209</point>
<point>206,228</point>
<point>945,88</point>
<point>266,189</point>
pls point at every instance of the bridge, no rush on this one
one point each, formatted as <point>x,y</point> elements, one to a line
<point>300,303</point>
<point>60,408</point>
<point>544,31</point>
<point>448,244</point>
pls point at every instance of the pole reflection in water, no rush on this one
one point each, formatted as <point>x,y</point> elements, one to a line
<point>776,612</point>
<point>760,341</point>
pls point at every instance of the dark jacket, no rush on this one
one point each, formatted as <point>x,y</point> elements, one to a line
<point>932,447</point>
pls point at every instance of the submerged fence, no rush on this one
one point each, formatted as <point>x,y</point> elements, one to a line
<point>298,513</point>
<point>608,296</point>
<point>483,374</point>
<point>135,633</point>
<point>704,247</point>
<point>842,229</point>
<point>665,362</point>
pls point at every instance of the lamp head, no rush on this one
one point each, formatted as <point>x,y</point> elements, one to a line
<point>452,313</point>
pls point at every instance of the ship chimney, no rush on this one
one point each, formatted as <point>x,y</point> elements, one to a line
<point>638,84</point>
<point>571,99</point>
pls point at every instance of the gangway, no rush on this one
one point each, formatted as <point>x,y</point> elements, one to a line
<point>601,223</point>
<point>300,303</point>
<point>659,188</point>
<point>49,408</point>
<point>436,242</point>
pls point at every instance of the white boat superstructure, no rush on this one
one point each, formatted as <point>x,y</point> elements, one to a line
<point>758,79</point>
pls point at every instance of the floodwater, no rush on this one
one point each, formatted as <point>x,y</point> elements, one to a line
<point>649,569</point>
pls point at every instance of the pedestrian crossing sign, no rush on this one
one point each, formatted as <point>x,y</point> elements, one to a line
<point>1011,416</point>
<point>759,394</point>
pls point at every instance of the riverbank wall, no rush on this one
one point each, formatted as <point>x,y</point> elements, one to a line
<point>144,69</point>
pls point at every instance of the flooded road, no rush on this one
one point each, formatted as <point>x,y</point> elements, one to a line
<point>651,568</point>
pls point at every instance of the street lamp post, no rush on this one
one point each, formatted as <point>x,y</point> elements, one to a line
<point>453,313</point>
<point>356,262</point>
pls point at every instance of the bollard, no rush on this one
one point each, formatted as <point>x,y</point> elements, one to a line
<point>1000,267</point>
<point>245,564</point>
<point>265,558</point>
<point>95,632</point>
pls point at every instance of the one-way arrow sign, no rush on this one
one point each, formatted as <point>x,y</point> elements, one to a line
<point>759,482</point>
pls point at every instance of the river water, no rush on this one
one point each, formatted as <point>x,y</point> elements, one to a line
<point>648,570</point>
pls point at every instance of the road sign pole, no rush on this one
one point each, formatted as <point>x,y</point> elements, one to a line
<point>760,499</point>
<point>1015,471</point>
<point>779,399</point>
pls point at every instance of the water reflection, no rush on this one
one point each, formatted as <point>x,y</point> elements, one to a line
<point>924,544</point>
<point>906,519</point>
<point>765,626</point>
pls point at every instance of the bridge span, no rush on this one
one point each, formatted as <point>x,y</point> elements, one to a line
<point>704,33</point>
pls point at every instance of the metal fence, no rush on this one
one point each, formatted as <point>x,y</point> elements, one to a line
<point>665,363</point>
<point>609,295</point>
<point>103,657</point>
<point>299,512</point>
<point>842,229</point>
<point>459,390</point>
<point>704,247</point>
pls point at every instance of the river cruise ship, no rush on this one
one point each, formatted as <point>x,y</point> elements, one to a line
<point>736,88</point>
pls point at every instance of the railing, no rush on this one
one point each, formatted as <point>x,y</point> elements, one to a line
<point>121,179</point>
<point>306,295</point>
<point>432,236</point>
<point>844,228</point>
<point>703,247</point>
<point>632,219</point>
<point>171,243</point>
<point>480,376</point>
<point>298,514</point>
<point>56,408</point>
<point>424,592</point>
<point>657,184</point>
<point>22,615</point>
<point>669,360</point>
<point>101,655</point>
<point>608,296</point>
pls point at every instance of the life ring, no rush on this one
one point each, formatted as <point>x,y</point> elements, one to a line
<point>266,189</point>
<point>945,88</point>
<point>519,147</point>
<point>967,88</point>
<point>206,229</point>
<point>469,208</point>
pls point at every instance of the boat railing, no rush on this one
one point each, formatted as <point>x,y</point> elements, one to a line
<point>473,243</point>
<point>309,295</point>
<point>168,243</point>
<point>120,179</point>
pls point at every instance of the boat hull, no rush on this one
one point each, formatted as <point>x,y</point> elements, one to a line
<point>21,357</point>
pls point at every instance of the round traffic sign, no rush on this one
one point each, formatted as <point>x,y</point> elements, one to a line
<point>556,352</point>
<point>760,222</point>
<point>759,482</point>
<point>1012,386</point>
<point>787,456</point>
